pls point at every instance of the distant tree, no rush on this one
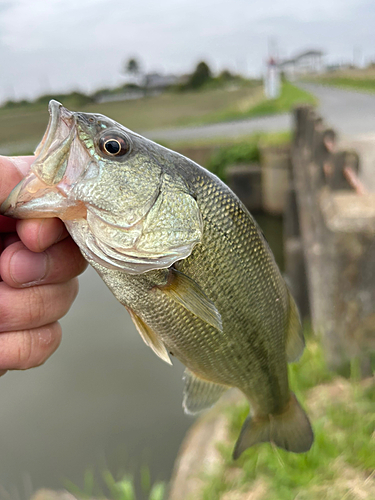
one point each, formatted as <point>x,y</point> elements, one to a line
<point>226,75</point>
<point>132,67</point>
<point>72,99</point>
<point>201,75</point>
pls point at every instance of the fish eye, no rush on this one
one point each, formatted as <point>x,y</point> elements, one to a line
<point>114,145</point>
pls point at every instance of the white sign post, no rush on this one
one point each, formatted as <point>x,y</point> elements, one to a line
<point>272,83</point>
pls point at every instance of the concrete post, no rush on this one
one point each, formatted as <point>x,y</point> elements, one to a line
<point>338,238</point>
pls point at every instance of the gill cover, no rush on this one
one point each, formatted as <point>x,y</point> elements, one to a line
<point>167,233</point>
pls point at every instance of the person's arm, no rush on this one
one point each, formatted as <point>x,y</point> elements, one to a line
<point>39,263</point>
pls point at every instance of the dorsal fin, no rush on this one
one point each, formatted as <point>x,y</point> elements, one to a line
<point>188,294</point>
<point>150,338</point>
<point>200,394</point>
<point>295,342</point>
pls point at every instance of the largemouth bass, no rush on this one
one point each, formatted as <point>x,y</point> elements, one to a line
<point>182,254</point>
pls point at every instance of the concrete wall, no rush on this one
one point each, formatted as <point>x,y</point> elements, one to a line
<point>337,238</point>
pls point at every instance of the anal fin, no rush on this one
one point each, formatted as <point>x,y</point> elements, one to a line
<point>295,342</point>
<point>200,394</point>
<point>188,293</point>
<point>150,338</point>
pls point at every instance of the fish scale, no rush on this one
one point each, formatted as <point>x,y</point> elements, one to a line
<point>179,250</point>
<point>199,346</point>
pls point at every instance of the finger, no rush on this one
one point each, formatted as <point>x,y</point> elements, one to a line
<point>27,308</point>
<point>19,267</point>
<point>12,170</point>
<point>39,234</point>
<point>28,348</point>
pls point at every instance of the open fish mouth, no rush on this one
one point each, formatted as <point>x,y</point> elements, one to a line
<point>43,192</point>
<point>56,112</point>
<point>115,210</point>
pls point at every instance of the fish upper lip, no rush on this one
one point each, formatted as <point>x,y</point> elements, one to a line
<point>57,112</point>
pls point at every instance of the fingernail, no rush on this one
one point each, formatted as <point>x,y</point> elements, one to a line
<point>27,267</point>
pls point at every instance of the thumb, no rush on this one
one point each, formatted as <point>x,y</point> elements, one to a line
<point>12,170</point>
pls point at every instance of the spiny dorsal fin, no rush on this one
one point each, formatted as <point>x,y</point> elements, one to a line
<point>150,338</point>
<point>290,430</point>
<point>295,342</point>
<point>188,294</point>
<point>200,394</point>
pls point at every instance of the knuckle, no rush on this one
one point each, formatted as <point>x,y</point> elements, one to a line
<point>25,348</point>
<point>7,316</point>
<point>37,305</point>
<point>36,346</point>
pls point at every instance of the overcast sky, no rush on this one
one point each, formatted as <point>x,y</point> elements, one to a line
<point>59,45</point>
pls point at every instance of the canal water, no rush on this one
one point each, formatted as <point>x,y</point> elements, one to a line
<point>103,401</point>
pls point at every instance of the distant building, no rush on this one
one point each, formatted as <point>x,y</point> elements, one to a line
<point>307,63</point>
<point>140,85</point>
<point>152,81</point>
<point>156,81</point>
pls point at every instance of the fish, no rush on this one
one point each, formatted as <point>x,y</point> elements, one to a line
<point>180,251</point>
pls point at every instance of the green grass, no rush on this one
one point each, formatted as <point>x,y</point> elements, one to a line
<point>361,79</point>
<point>122,488</point>
<point>245,150</point>
<point>365,84</point>
<point>290,97</point>
<point>22,128</point>
<point>266,138</point>
<point>341,461</point>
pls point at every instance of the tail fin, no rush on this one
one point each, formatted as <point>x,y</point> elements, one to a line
<point>290,430</point>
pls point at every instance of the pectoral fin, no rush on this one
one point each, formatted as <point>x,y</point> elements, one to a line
<point>188,294</point>
<point>150,338</point>
<point>295,342</point>
<point>200,394</point>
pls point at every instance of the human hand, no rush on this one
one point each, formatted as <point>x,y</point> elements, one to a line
<point>39,263</point>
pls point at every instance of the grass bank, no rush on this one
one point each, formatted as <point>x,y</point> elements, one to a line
<point>355,79</point>
<point>23,127</point>
<point>290,97</point>
<point>339,466</point>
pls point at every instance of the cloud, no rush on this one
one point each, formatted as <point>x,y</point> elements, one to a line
<point>90,23</point>
<point>71,43</point>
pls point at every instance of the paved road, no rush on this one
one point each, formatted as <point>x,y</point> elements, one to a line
<point>352,115</point>
<point>104,399</point>
<point>225,129</point>
<point>349,112</point>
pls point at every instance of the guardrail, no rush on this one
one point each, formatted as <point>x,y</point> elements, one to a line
<point>330,231</point>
